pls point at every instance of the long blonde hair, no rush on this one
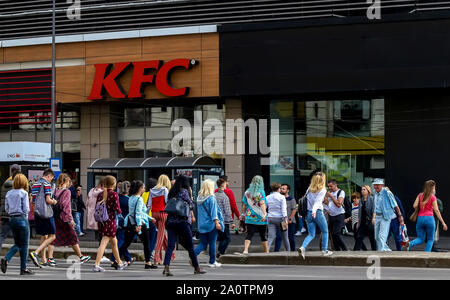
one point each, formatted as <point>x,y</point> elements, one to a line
<point>207,188</point>
<point>163,181</point>
<point>63,178</point>
<point>317,182</point>
<point>108,183</point>
<point>427,192</point>
<point>20,182</point>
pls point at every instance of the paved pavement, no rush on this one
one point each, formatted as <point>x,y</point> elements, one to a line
<point>183,271</point>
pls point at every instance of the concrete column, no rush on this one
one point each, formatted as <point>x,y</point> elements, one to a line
<point>98,130</point>
<point>234,164</point>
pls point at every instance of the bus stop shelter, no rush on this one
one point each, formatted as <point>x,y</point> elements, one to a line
<point>201,167</point>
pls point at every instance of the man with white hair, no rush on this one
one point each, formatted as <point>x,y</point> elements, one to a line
<point>386,208</point>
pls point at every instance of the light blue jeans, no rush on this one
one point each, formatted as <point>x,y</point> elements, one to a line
<point>382,227</point>
<point>311,223</point>
<point>77,220</point>
<point>426,228</point>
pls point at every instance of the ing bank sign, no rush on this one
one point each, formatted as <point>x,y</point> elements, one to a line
<point>157,72</point>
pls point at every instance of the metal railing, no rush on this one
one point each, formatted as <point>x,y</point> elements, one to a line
<point>21,19</point>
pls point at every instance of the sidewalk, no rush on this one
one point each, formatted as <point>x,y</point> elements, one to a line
<point>89,246</point>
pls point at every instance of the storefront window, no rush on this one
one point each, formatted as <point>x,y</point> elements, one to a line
<point>343,138</point>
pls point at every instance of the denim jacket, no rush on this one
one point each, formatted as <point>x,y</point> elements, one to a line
<point>385,204</point>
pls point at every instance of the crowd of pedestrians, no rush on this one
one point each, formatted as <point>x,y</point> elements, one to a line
<point>161,215</point>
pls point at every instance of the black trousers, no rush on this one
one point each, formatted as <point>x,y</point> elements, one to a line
<point>144,237</point>
<point>336,225</point>
<point>363,232</point>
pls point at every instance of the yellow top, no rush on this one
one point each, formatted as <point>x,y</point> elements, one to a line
<point>145,197</point>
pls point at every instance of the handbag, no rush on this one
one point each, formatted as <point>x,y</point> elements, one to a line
<point>178,207</point>
<point>415,214</point>
<point>284,226</point>
<point>132,223</point>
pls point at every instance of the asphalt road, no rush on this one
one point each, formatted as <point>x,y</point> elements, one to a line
<point>183,271</point>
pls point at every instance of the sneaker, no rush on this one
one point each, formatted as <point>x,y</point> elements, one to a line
<point>4,265</point>
<point>215,265</point>
<point>194,238</point>
<point>51,262</point>
<point>27,272</point>
<point>84,259</point>
<point>105,260</point>
<point>303,230</point>
<point>301,251</point>
<point>122,266</point>
<point>34,259</point>
<point>298,233</point>
<point>152,267</point>
<point>82,234</point>
<point>199,272</point>
<point>327,253</point>
<point>43,264</point>
<point>98,269</point>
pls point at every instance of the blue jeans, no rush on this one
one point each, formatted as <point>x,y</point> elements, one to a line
<point>21,232</point>
<point>224,239</point>
<point>382,227</point>
<point>77,220</point>
<point>395,231</point>
<point>209,238</point>
<point>300,224</point>
<point>182,230</point>
<point>278,241</point>
<point>320,222</point>
<point>152,234</point>
<point>426,228</point>
<point>120,235</point>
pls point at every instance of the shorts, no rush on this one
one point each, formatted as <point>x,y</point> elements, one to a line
<point>252,229</point>
<point>44,226</point>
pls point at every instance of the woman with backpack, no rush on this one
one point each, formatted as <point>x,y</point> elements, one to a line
<point>105,212</point>
<point>156,203</point>
<point>64,222</point>
<point>210,221</point>
<point>315,196</point>
<point>254,211</point>
<point>424,206</point>
<point>180,225</point>
<point>137,221</point>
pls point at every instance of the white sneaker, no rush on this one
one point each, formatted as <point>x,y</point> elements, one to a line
<point>82,234</point>
<point>301,251</point>
<point>105,260</point>
<point>298,233</point>
<point>303,230</point>
<point>215,265</point>
<point>327,253</point>
<point>98,269</point>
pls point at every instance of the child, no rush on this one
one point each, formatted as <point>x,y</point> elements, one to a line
<point>356,199</point>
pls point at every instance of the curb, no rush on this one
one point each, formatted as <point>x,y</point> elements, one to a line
<point>394,259</point>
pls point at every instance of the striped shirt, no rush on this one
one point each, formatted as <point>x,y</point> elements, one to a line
<point>37,187</point>
<point>355,215</point>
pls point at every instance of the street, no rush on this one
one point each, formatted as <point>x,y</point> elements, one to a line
<point>183,271</point>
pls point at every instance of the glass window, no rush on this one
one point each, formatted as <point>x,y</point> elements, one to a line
<point>343,138</point>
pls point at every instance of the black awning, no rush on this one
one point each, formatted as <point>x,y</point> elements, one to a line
<point>199,162</point>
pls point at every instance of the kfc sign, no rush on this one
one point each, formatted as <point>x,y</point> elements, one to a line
<point>107,80</point>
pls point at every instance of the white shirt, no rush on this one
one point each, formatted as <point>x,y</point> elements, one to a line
<point>334,210</point>
<point>315,200</point>
<point>276,204</point>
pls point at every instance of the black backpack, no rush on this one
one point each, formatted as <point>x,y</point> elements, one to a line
<point>302,208</point>
<point>347,205</point>
<point>57,207</point>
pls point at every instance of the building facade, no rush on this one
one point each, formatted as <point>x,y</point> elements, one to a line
<point>356,97</point>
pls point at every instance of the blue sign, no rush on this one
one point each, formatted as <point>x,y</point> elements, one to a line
<point>55,165</point>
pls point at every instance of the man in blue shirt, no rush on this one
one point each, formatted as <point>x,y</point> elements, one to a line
<point>386,208</point>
